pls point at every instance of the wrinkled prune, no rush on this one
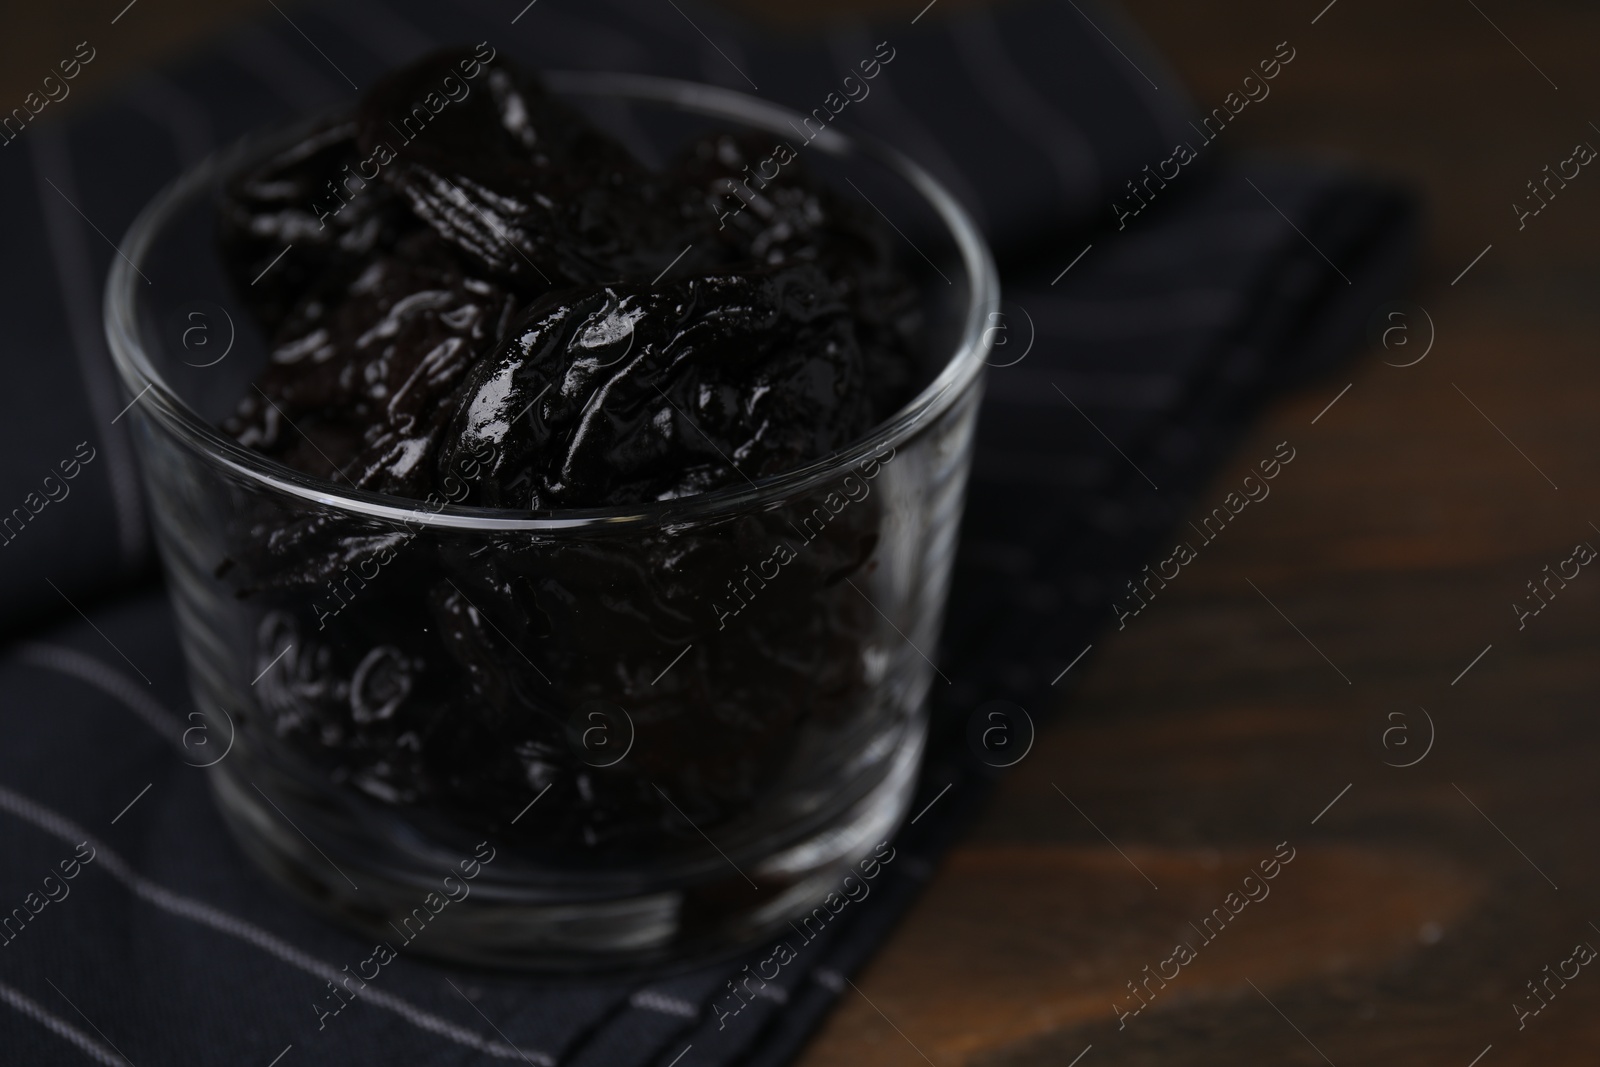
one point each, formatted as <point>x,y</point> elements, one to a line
<point>304,196</point>
<point>789,219</point>
<point>626,394</point>
<point>517,180</point>
<point>360,389</point>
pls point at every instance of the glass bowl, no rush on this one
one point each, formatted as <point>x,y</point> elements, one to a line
<point>678,725</point>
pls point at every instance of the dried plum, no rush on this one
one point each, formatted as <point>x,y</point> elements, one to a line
<point>359,390</point>
<point>304,196</point>
<point>517,180</point>
<point>625,394</point>
<point>786,217</point>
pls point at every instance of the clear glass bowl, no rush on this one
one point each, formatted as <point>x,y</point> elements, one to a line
<point>678,724</point>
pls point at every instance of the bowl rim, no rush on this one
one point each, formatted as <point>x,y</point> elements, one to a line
<point>959,372</point>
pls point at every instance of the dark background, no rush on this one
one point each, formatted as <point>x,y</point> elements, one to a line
<point>1408,524</point>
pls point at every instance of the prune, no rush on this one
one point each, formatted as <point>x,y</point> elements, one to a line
<point>304,196</point>
<point>491,303</point>
<point>359,389</point>
<point>632,393</point>
<point>517,180</point>
<point>788,218</point>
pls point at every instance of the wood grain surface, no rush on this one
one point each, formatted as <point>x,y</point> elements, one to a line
<point>1260,686</point>
<point>1212,728</point>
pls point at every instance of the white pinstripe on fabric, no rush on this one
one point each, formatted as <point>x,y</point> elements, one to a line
<point>198,911</point>
<point>107,679</point>
<point>60,1027</point>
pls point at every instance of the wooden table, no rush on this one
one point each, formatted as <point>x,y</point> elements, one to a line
<point>1421,899</point>
<point>1420,903</point>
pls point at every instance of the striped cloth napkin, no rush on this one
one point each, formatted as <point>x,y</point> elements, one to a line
<point>1137,345</point>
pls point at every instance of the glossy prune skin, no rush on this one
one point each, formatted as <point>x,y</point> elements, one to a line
<point>787,218</point>
<point>359,390</point>
<point>625,394</point>
<point>507,310</point>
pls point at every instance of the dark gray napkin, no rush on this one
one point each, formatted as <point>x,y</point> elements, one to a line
<point>1146,359</point>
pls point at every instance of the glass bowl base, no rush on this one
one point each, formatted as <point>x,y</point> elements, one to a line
<point>714,908</point>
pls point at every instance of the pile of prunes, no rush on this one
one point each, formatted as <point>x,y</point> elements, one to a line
<point>473,296</point>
